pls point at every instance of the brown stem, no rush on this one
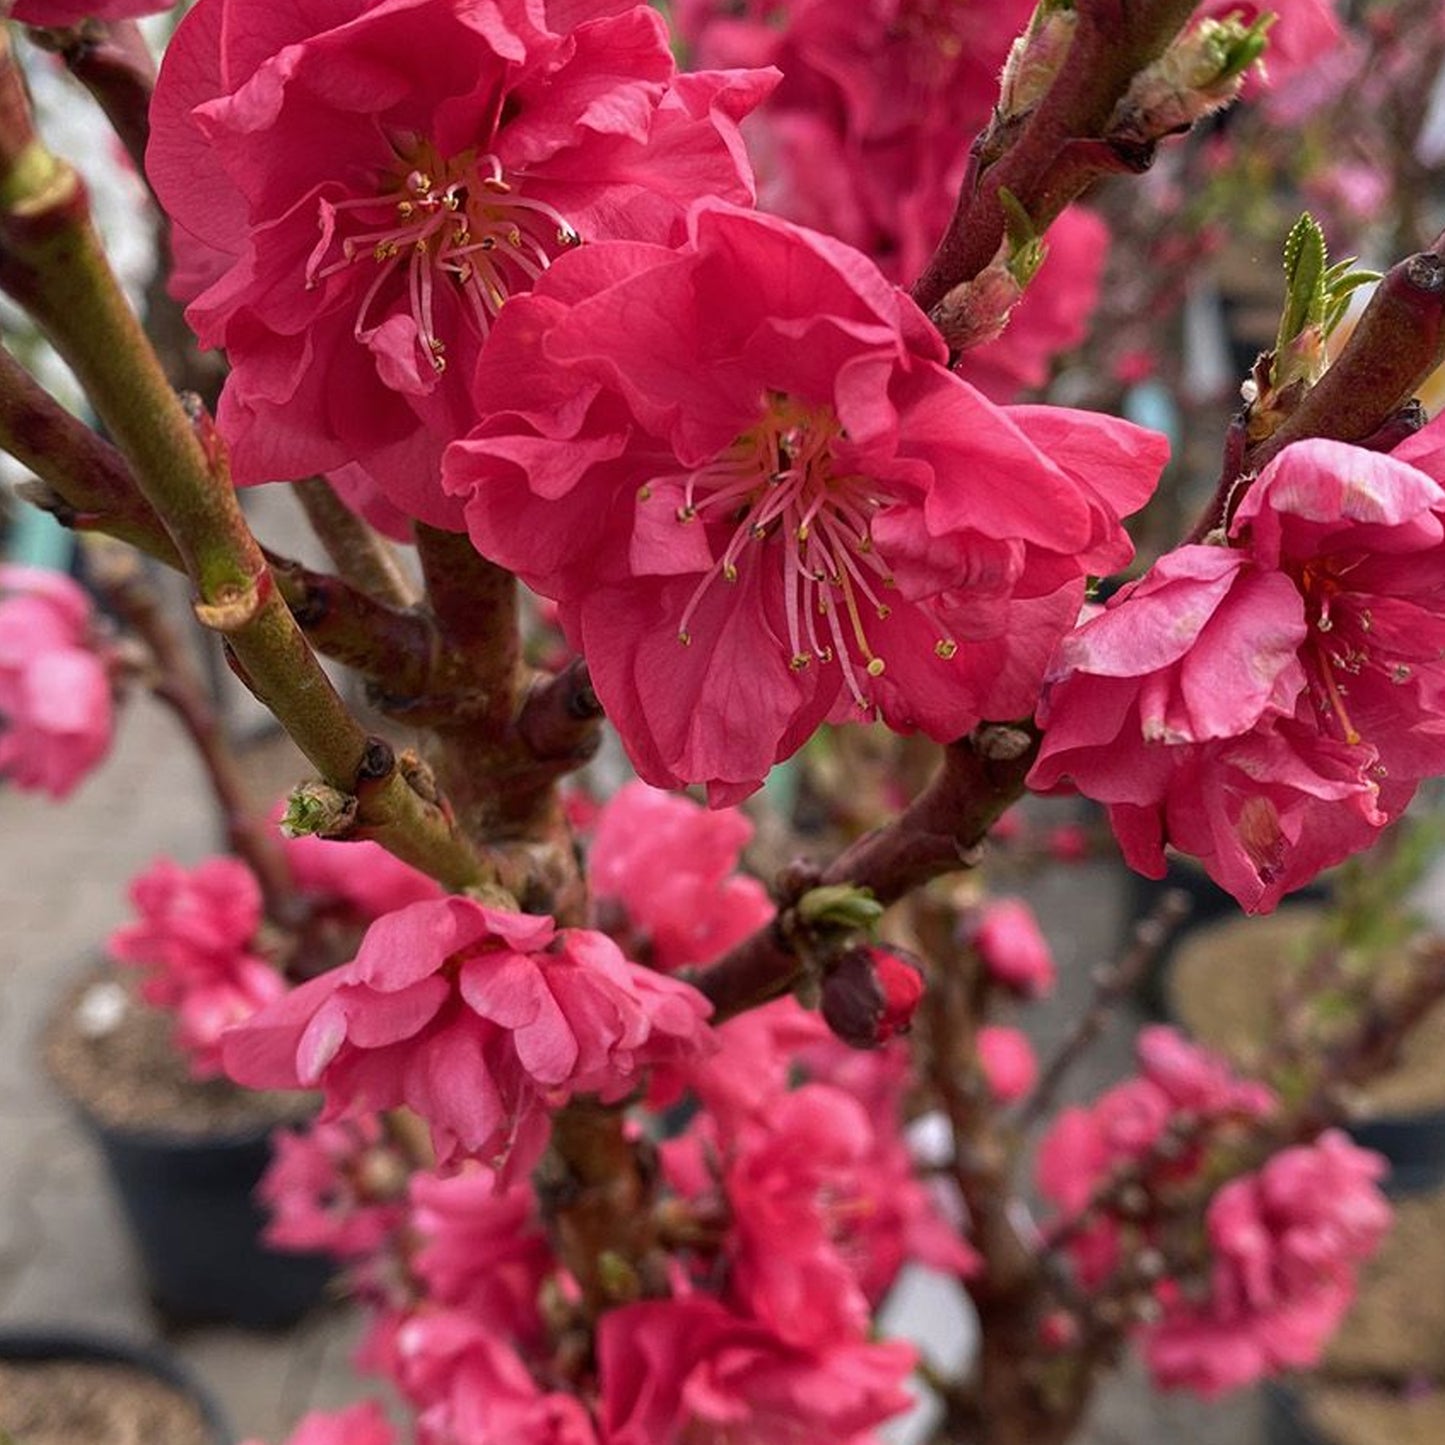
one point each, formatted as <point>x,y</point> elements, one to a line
<point>390,644</point>
<point>941,830</point>
<point>114,63</point>
<point>560,716</point>
<point>87,484</point>
<point>361,557</point>
<point>1062,145</point>
<point>502,789</point>
<point>596,1188</point>
<point>116,574</point>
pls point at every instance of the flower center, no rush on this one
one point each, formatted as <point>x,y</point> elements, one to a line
<point>461,223</point>
<point>780,489</point>
<point>1340,642</point>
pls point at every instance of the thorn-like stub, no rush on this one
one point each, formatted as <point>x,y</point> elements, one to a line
<point>1426,272</point>
<point>233,607</point>
<point>1001,744</point>
<point>377,762</point>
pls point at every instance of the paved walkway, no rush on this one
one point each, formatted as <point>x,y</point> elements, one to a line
<point>64,1258</point>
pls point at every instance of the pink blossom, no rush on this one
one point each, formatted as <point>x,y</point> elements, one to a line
<point>482,1249</point>
<point>1085,1147</point>
<point>824,1211</point>
<point>470,1386</point>
<point>1007,1059</point>
<point>479,1020</point>
<point>55,709</point>
<point>338,1187</point>
<point>1270,705</point>
<point>688,1370</point>
<point>669,865</point>
<point>1013,948</point>
<point>762,501</point>
<point>363,188</point>
<point>867,135</point>
<point>195,942</point>
<point>1286,1243</point>
<point>361,1424</point>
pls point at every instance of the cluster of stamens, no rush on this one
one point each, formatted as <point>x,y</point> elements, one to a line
<point>777,487</point>
<point>461,223</point>
<point>1341,653</point>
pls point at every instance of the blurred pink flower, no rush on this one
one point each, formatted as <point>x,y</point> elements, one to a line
<point>338,1186</point>
<point>195,943</point>
<point>470,1386</point>
<point>483,1250</point>
<point>688,1370</point>
<point>359,189</point>
<point>361,1424</point>
<point>1013,948</point>
<point>1007,1059</point>
<point>359,878</point>
<point>479,1020</point>
<point>669,864</point>
<point>1084,1147</point>
<point>761,500</point>
<point>55,708</point>
<point>1286,1243</point>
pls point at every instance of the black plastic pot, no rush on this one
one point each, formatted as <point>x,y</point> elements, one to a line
<point>1413,1143</point>
<point>1208,904</point>
<point>191,1208</point>
<point>1285,1422</point>
<point>48,1345</point>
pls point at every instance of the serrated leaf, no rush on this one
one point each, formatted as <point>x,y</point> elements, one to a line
<point>1305,261</point>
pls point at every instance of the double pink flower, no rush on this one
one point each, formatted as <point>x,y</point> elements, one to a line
<point>1269,705</point>
<point>761,500</point>
<point>479,1020</point>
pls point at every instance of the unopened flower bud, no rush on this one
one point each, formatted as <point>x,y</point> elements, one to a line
<point>1199,73</point>
<point>870,995</point>
<point>1013,949</point>
<point>1058,1330</point>
<point>1007,1060</point>
<point>1036,58</point>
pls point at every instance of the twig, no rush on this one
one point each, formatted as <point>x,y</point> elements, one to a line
<point>1061,146</point>
<point>361,557</point>
<point>114,63</point>
<point>1111,984</point>
<point>116,574</point>
<point>52,263</point>
<point>941,831</point>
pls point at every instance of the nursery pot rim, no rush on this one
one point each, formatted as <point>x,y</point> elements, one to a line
<point>49,1343</point>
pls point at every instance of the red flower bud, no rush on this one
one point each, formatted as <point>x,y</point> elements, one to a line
<point>870,995</point>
